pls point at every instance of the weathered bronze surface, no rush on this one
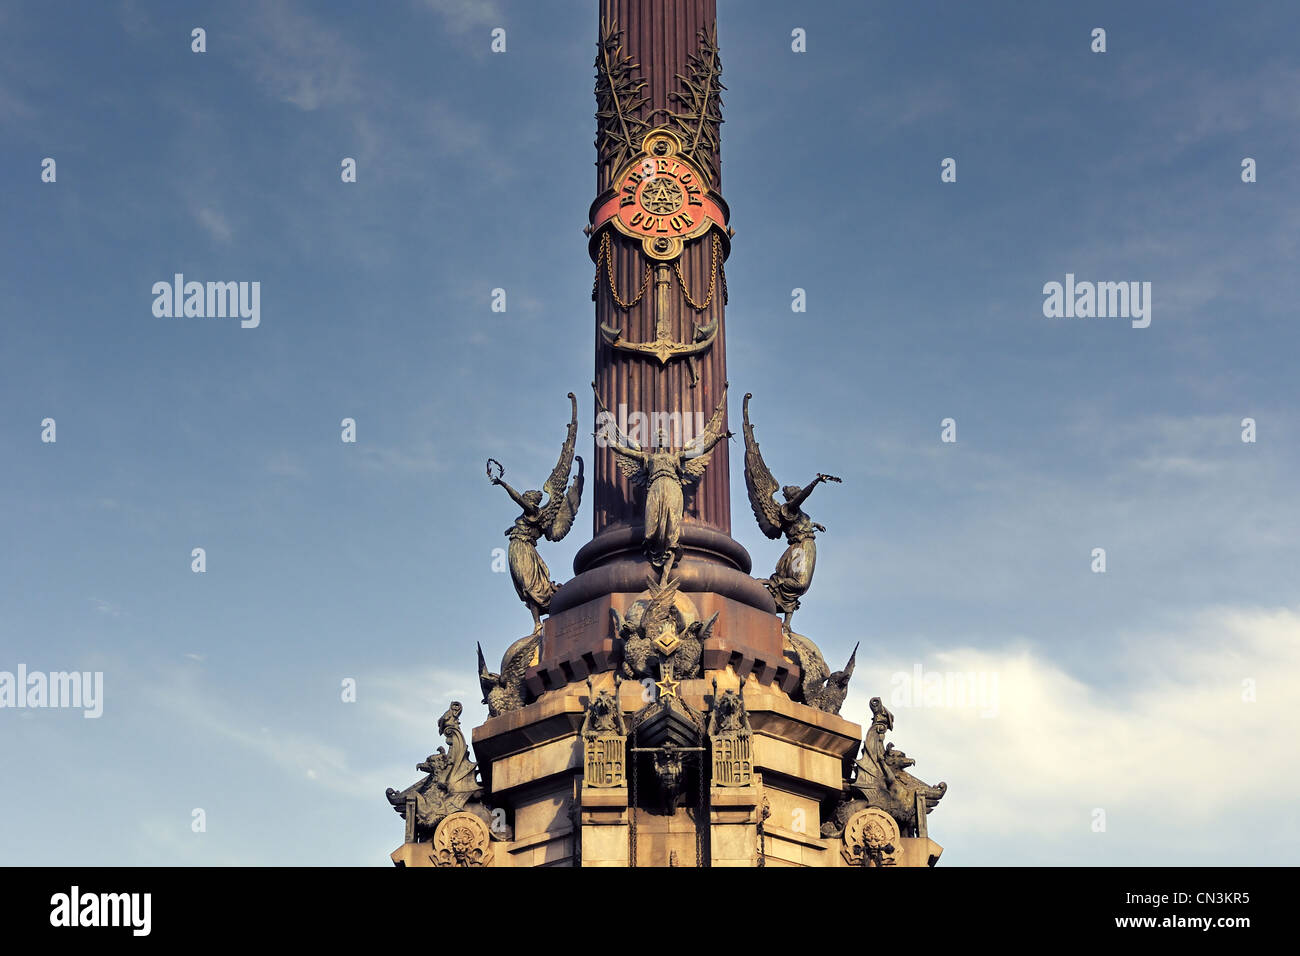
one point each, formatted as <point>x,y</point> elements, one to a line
<point>506,690</point>
<point>881,781</point>
<point>531,577</point>
<point>818,686</point>
<point>793,574</point>
<point>662,635</point>
<point>658,99</point>
<point>621,100</point>
<point>451,785</point>
<point>663,472</point>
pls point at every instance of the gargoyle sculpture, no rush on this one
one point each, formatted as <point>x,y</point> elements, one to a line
<point>452,785</point>
<point>728,713</point>
<point>818,686</point>
<point>603,715</point>
<point>660,626</point>
<point>793,575</point>
<point>663,472</point>
<point>881,780</point>
<point>531,577</point>
<point>506,691</point>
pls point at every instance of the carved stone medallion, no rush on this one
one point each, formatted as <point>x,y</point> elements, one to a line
<point>462,839</point>
<point>872,838</point>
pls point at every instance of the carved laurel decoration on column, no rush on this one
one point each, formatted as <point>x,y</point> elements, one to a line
<point>701,115</point>
<point>619,130</point>
<point>462,839</point>
<point>619,99</point>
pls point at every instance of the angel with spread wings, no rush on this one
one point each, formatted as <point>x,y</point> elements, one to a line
<point>664,471</point>
<point>553,519</point>
<point>793,574</point>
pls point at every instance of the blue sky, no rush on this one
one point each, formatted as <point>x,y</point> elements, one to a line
<point>1121,691</point>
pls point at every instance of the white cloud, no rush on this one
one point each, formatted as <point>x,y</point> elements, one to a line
<point>1172,752</point>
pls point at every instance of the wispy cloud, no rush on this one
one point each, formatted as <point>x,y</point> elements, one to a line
<point>299,60</point>
<point>460,16</point>
<point>214,223</point>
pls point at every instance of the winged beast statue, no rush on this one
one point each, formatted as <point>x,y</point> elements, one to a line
<point>793,575</point>
<point>531,577</point>
<point>819,686</point>
<point>505,691</point>
<point>881,780</point>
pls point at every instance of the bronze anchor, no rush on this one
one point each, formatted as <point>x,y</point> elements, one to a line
<point>663,347</point>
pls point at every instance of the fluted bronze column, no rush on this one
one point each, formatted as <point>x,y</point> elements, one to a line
<point>659,38</point>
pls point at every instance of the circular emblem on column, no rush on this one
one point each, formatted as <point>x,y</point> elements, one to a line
<point>462,839</point>
<point>871,838</point>
<point>661,198</point>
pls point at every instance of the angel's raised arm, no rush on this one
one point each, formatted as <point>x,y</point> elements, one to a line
<point>624,450</point>
<point>805,492</point>
<point>695,451</point>
<point>515,496</point>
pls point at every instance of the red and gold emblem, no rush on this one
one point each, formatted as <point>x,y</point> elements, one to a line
<point>661,198</point>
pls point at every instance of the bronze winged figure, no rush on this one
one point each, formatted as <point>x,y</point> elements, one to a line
<point>531,577</point>
<point>664,471</point>
<point>793,575</point>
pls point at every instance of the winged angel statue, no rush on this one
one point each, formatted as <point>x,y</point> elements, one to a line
<point>553,519</point>
<point>664,472</point>
<point>793,574</point>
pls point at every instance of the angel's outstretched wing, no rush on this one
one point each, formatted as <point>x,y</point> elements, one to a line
<point>518,659</point>
<point>760,483</point>
<point>630,465</point>
<point>693,468</point>
<point>554,487</point>
<point>487,681</point>
<point>561,520</point>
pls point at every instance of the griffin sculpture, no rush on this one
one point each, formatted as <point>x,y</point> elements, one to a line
<point>655,631</point>
<point>531,577</point>
<point>451,785</point>
<point>882,781</point>
<point>818,686</point>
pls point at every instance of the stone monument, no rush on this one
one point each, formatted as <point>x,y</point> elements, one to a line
<point>663,711</point>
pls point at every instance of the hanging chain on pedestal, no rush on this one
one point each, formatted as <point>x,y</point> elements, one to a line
<point>607,255</point>
<point>699,811</point>
<point>713,277</point>
<point>632,821</point>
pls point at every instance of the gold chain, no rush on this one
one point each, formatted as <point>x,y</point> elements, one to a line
<point>607,255</point>
<point>713,276</point>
